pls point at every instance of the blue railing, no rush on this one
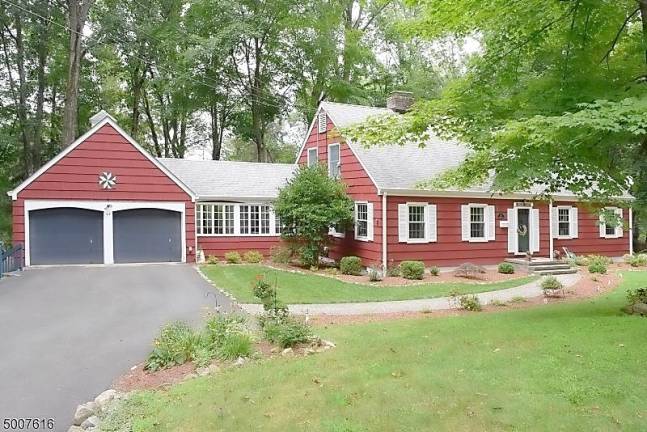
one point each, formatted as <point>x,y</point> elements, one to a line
<point>11,259</point>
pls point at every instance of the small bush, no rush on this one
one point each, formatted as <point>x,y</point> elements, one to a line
<point>281,254</point>
<point>470,303</point>
<point>506,268</point>
<point>393,271</point>
<point>469,271</point>
<point>550,285</point>
<point>219,327</point>
<point>498,303</point>
<point>374,275</point>
<point>594,259</point>
<point>638,295</point>
<point>252,257</point>
<point>580,261</point>
<point>235,345</point>
<point>518,299</point>
<point>351,265</point>
<point>233,258</point>
<point>287,332</point>
<point>212,259</point>
<point>412,269</point>
<point>434,271</point>
<point>597,267</point>
<point>176,345</point>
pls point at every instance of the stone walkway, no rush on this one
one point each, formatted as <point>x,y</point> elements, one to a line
<point>528,290</point>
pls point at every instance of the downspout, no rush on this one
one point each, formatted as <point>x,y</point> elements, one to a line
<point>384,234</point>
<point>550,230</point>
<point>631,231</point>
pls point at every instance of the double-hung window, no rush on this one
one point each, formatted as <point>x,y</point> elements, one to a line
<point>477,223</point>
<point>222,219</point>
<point>611,223</point>
<point>334,163</point>
<point>416,222</point>
<point>361,220</point>
<point>313,158</point>
<point>564,222</point>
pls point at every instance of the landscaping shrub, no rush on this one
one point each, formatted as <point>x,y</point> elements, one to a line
<point>434,271</point>
<point>412,269</point>
<point>212,259</point>
<point>374,275</point>
<point>235,345</point>
<point>550,285</point>
<point>281,254</point>
<point>351,265</point>
<point>636,260</point>
<point>597,267</point>
<point>287,332</point>
<point>594,259</point>
<point>469,271</point>
<point>506,268</point>
<point>580,261</point>
<point>393,271</point>
<point>176,345</point>
<point>638,295</point>
<point>233,258</point>
<point>252,257</point>
<point>218,327</point>
<point>470,303</point>
<point>497,303</point>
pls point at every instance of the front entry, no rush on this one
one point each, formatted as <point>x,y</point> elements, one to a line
<point>523,230</point>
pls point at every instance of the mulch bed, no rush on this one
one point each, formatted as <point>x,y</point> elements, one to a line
<point>588,286</point>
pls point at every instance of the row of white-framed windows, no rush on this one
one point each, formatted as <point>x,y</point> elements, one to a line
<point>215,219</point>
<point>236,219</point>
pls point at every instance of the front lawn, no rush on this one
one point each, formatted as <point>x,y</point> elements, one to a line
<point>294,288</point>
<point>562,367</point>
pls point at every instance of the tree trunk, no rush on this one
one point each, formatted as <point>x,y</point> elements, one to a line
<point>43,52</point>
<point>257,110</point>
<point>22,100</point>
<point>217,129</point>
<point>642,4</point>
<point>151,126</point>
<point>77,15</point>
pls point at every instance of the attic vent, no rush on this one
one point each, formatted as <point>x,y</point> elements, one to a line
<point>322,122</point>
<point>400,101</point>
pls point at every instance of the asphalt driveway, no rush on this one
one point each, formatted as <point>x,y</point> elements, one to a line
<point>67,332</point>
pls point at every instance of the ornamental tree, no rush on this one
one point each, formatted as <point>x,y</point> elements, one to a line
<point>308,206</point>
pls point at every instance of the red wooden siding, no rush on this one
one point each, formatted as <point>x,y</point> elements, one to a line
<point>360,188</point>
<point>219,246</point>
<point>589,241</point>
<point>75,177</point>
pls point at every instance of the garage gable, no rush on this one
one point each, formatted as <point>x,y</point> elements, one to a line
<point>104,163</point>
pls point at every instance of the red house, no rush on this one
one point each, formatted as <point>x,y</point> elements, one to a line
<point>105,200</point>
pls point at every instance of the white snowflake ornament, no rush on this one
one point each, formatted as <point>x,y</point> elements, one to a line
<point>107,180</point>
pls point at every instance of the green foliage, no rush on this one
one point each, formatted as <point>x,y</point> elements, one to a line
<point>393,271</point>
<point>233,257</point>
<point>434,271</point>
<point>235,345</point>
<point>351,265</point>
<point>412,269</point>
<point>469,271</point>
<point>506,268</point>
<point>374,274</point>
<point>252,257</point>
<point>281,254</point>
<point>597,267</point>
<point>176,345</point>
<point>637,295</point>
<point>636,260</point>
<point>287,332</point>
<point>550,285</point>
<point>212,259</point>
<point>470,303</point>
<point>308,205</point>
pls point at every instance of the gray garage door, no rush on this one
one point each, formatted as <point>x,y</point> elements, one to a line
<point>65,236</point>
<point>147,235</point>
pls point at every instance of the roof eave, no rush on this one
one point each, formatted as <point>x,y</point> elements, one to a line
<point>476,194</point>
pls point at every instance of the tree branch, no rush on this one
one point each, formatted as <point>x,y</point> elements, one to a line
<point>618,34</point>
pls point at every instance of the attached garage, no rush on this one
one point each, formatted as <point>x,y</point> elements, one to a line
<point>66,236</point>
<point>147,235</point>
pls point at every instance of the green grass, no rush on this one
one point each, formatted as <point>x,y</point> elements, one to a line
<point>563,367</point>
<point>294,288</point>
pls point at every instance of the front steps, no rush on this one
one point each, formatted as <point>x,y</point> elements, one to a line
<point>543,266</point>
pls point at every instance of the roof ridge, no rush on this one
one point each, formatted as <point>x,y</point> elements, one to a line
<point>356,105</point>
<point>226,161</point>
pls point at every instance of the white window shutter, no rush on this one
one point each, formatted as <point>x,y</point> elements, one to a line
<point>534,232</point>
<point>490,223</point>
<point>369,224</point>
<point>619,227</point>
<point>321,122</point>
<point>602,226</point>
<point>512,231</point>
<point>573,222</point>
<point>430,223</point>
<point>403,223</point>
<point>465,222</point>
<point>555,222</point>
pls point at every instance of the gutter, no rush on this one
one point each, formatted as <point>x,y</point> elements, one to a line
<point>384,233</point>
<point>474,194</point>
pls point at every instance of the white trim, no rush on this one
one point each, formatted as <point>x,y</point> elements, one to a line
<point>338,162</point>
<point>368,221</point>
<point>631,230</point>
<point>316,151</point>
<point>108,208</point>
<point>407,192</point>
<point>530,208</point>
<point>321,129</point>
<point>618,231</point>
<point>384,234</point>
<point>333,233</point>
<point>570,235</point>
<point>108,120</point>
<point>305,138</point>
<point>236,206</point>
<point>483,239</point>
<point>425,214</point>
<point>551,240</point>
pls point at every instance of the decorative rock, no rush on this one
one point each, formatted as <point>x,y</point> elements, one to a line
<point>104,399</point>
<point>203,371</point>
<point>90,423</point>
<point>75,429</point>
<point>309,351</point>
<point>328,343</point>
<point>213,368</point>
<point>83,412</point>
<point>640,308</point>
<point>286,351</point>
<point>240,361</point>
<point>274,350</point>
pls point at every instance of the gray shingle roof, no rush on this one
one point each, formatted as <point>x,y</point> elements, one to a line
<point>230,180</point>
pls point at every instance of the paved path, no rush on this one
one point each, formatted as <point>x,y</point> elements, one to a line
<point>68,332</point>
<point>528,290</point>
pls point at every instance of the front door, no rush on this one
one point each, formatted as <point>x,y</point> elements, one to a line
<point>523,230</point>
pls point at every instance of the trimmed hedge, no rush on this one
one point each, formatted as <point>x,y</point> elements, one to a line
<point>351,265</point>
<point>412,269</point>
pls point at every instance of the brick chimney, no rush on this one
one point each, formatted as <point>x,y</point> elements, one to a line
<point>400,101</point>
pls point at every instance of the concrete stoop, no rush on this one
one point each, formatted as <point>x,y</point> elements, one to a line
<point>543,266</point>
